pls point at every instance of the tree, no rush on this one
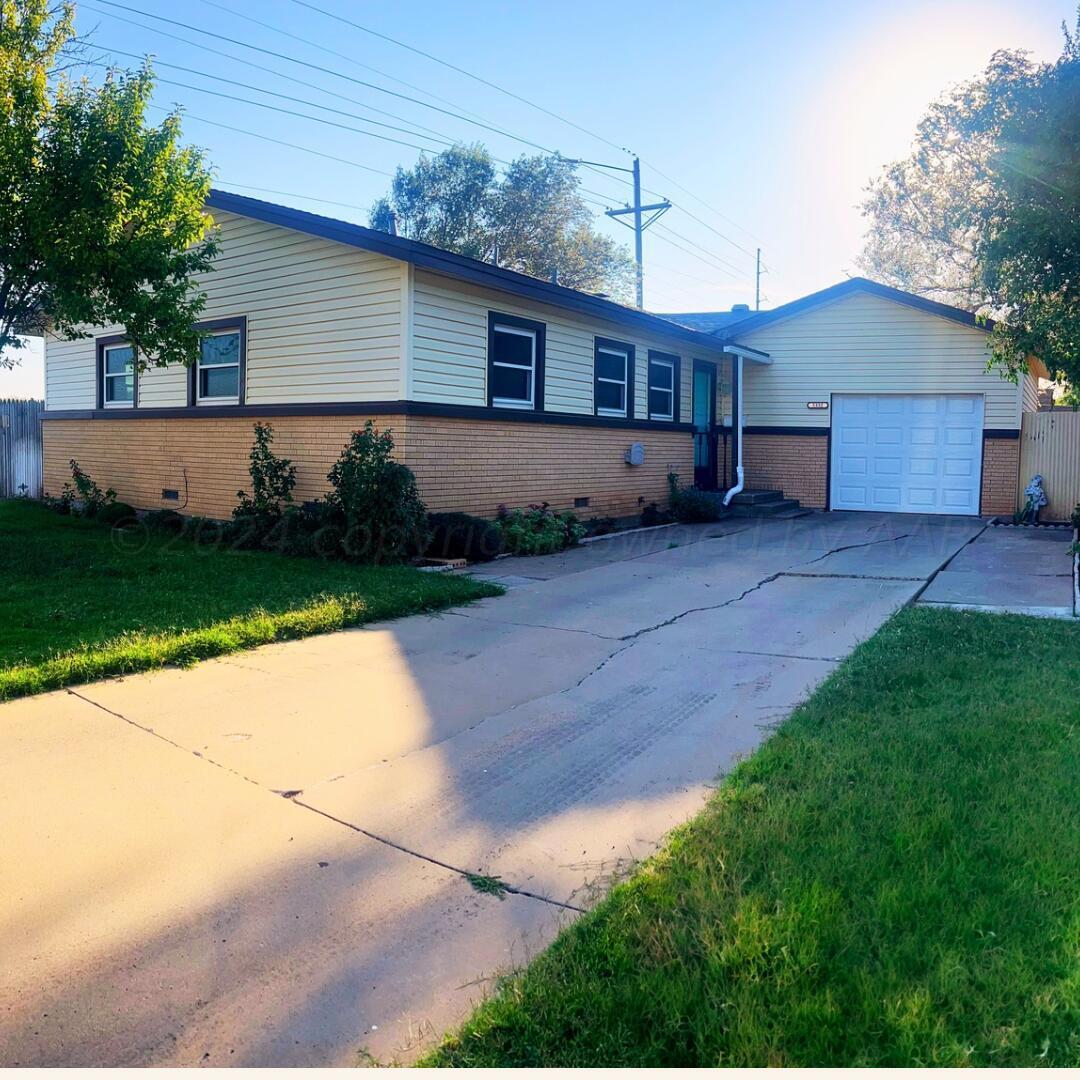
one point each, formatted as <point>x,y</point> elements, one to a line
<point>532,219</point>
<point>101,215</point>
<point>1029,247</point>
<point>985,212</point>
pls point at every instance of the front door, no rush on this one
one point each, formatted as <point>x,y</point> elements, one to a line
<point>704,421</point>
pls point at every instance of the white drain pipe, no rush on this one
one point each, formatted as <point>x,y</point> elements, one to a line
<point>737,362</point>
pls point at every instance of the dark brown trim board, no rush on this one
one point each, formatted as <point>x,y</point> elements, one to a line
<point>368,408</point>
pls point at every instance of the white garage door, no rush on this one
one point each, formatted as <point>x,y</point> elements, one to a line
<point>916,454</point>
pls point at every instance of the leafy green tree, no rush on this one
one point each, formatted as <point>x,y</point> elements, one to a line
<point>985,211</point>
<point>101,215</point>
<point>532,220</point>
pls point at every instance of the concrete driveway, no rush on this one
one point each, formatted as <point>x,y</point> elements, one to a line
<point>262,860</point>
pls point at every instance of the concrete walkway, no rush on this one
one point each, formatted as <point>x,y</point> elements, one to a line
<point>1023,571</point>
<point>261,861</point>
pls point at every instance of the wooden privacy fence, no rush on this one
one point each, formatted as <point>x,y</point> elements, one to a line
<point>1050,445</point>
<point>20,447</point>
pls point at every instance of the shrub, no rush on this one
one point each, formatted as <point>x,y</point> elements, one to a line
<point>116,513</point>
<point>375,500</point>
<point>538,530</point>
<point>1076,517</point>
<point>600,526</point>
<point>90,499</point>
<point>653,515</point>
<point>691,504</point>
<point>166,521</point>
<point>462,536</point>
<point>272,480</point>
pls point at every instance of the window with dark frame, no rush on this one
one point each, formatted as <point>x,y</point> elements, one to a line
<point>515,362</point>
<point>663,386</point>
<point>118,376</point>
<point>613,378</point>
<point>217,375</point>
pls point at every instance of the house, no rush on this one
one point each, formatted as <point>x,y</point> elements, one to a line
<point>500,388</point>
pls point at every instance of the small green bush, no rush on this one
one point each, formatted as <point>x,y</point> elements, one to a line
<point>462,536</point>
<point>165,521</point>
<point>1076,517</point>
<point>538,530</point>
<point>259,515</point>
<point>600,526</point>
<point>116,513</point>
<point>691,504</point>
<point>652,515</point>
<point>81,495</point>
<point>375,500</point>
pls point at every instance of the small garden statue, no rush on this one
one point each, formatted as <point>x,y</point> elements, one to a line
<point>1036,500</point>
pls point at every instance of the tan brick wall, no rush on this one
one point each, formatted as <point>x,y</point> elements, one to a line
<point>470,465</point>
<point>205,460</point>
<point>476,465</point>
<point>796,464</point>
<point>1000,471</point>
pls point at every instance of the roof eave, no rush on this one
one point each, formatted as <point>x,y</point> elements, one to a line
<point>452,265</point>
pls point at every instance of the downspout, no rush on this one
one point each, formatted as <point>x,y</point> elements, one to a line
<point>737,423</point>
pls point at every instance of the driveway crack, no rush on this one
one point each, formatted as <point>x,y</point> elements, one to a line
<point>851,547</point>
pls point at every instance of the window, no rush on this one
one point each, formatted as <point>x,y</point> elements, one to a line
<point>663,387</point>
<point>217,377</point>
<point>515,362</point>
<point>219,367</point>
<point>613,377</point>
<point>117,376</point>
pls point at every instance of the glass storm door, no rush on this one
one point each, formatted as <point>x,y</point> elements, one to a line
<point>704,421</point>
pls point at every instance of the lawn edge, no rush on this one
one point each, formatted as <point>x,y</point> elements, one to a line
<point>150,652</point>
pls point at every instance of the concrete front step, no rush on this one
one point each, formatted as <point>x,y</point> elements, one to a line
<point>753,497</point>
<point>771,508</point>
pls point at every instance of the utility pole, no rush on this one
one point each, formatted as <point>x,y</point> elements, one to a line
<point>656,209</point>
<point>757,282</point>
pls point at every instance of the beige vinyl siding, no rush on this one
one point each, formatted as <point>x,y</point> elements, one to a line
<point>867,345</point>
<point>449,348</point>
<point>1030,388</point>
<point>323,323</point>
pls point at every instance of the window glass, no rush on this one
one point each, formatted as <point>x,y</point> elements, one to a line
<point>611,365</point>
<point>219,367</point>
<point>118,384</point>
<point>661,390</point>
<point>513,367</point>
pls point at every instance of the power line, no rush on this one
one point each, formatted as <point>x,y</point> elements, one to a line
<point>694,244</point>
<point>332,52</point>
<point>329,71</point>
<point>461,71</point>
<point>278,142</point>
<point>286,112</point>
<point>202,47</point>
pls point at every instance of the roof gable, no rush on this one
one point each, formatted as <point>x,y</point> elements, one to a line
<point>452,265</point>
<point>846,288</point>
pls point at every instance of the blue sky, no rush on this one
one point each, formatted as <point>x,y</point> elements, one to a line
<point>768,119</point>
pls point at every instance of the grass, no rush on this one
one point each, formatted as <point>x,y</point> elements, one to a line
<point>892,880</point>
<point>79,601</point>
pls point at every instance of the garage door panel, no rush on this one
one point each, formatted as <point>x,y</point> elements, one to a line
<point>918,453</point>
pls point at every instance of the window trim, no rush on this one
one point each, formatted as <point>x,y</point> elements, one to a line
<point>109,342</point>
<point>675,363</point>
<point>604,344</point>
<point>215,326</point>
<point>539,331</point>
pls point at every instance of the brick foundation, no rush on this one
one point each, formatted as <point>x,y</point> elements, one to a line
<point>798,465</point>
<point>470,465</point>
<point>1000,476</point>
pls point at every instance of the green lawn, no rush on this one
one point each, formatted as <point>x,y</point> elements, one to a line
<point>893,879</point>
<point>78,601</point>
